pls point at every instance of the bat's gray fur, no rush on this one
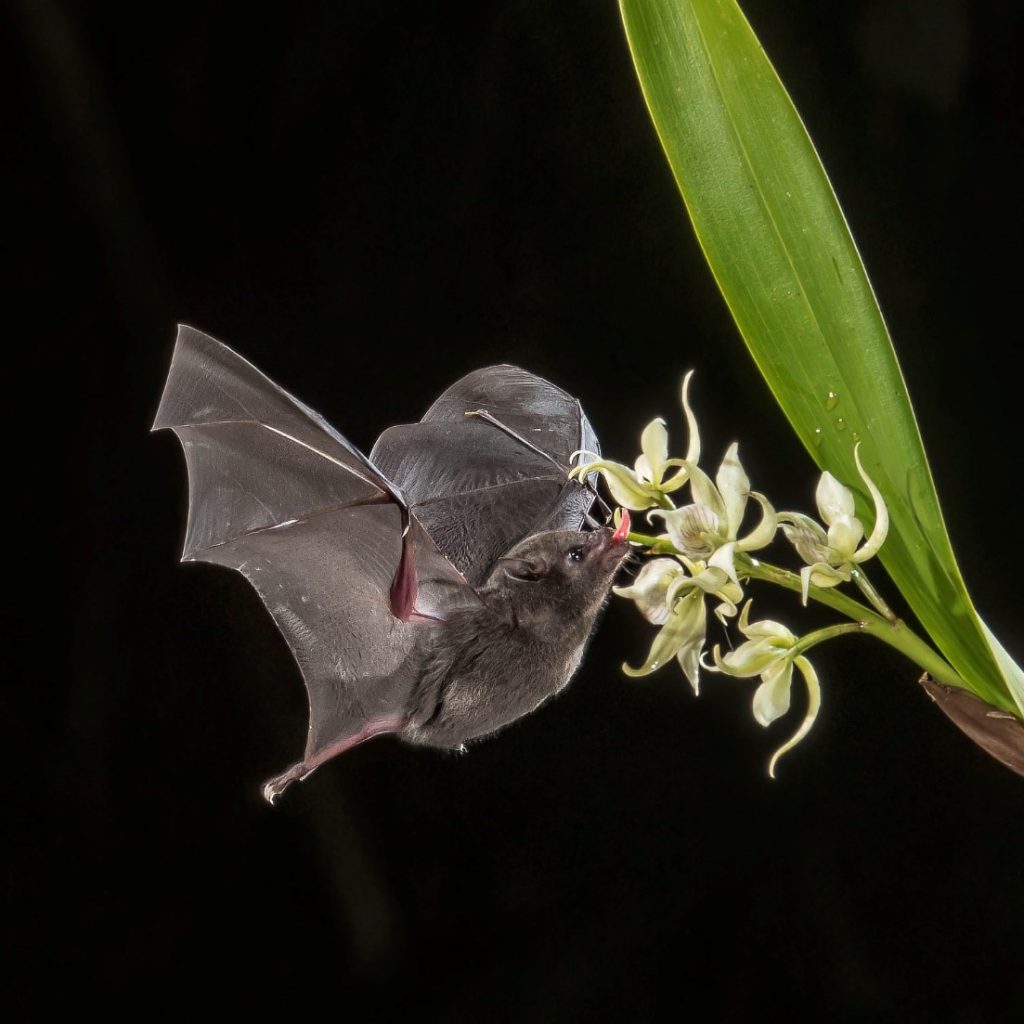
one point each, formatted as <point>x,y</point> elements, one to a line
<point>488,666</point>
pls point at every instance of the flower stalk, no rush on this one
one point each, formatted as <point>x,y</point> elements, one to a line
<point>867,589</point>
<point>896,633</point>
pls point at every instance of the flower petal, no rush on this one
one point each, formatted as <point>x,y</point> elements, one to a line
<point>728,598</point>
<point>744,622</point>
<point>685,627</point>
<point>654,445</point>
<point>622,484</point>
<point>581,469</point>
<point>807,536</point>
<point>821,574</point>
<point>844,534</point>
<point>771,699</point>
<point>749,659</point>
<point>693,529</point>
<point>833,498</point>
<point>813,705</point>
<point>689,654</point>
<point>723,559</point>
<point>830,576</point>
<point>705,492</point>
<point>711,579</point>
<point>881,530</point>
<point>764,533</point>
<point>734,488</point>
<point>680,585</point>
<point>693,434</point>
<point>650,591</point>
<point>768,629</point>
<point>677,480</point>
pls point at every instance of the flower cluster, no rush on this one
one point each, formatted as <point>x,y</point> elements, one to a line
<point>703,551</point>
<point>703,537</point>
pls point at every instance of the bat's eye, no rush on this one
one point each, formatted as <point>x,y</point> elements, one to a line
<point>576,554</point>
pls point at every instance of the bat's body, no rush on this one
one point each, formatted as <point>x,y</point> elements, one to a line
<point>488,666</point>
<point>439,589</point>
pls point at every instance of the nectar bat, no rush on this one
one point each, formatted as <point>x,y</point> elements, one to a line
<point>437,590</point>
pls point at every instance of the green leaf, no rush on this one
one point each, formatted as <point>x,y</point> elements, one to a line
<point>782,254</point>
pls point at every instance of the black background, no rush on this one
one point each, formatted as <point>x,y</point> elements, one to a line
<point>368,200</point>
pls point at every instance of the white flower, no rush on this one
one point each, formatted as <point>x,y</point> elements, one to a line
<point>831,557</point>
<point>769,653</point>
<point>715,581</point>
<point>682,638</point>
<point>709,527</point>
<point>670,596</point>
<point>646,486</point>
<point>650,591</point>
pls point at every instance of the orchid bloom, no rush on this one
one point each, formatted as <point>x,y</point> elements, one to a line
<point>645,486</point>
<point>832,557</point>
<point>672,596</point>
<point>708,528</point>
<point>768,652</point>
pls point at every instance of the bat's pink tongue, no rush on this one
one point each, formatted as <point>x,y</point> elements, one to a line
<point>623,528</point>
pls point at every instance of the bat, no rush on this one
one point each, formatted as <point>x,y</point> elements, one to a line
<point>437,590</point>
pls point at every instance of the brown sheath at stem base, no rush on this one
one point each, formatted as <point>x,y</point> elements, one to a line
<point>997,732</point>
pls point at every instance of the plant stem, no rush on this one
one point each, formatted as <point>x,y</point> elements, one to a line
<point>893,632</point>
<point>805,643</point>
<point>657,545</point>
<point>883,624</point>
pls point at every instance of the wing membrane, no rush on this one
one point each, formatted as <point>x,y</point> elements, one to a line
<point>480,483</point>
<point>328,537</point>
<point>280,496</point>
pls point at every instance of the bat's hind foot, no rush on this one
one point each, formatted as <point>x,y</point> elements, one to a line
<point>274,787</point>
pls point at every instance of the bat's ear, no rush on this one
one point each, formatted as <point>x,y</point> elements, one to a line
<point>526,570</point>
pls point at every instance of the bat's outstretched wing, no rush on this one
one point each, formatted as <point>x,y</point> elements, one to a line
<point>321,534</point>
<point>488,465</point>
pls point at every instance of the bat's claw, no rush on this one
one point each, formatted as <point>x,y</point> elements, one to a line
<point>274,787</point>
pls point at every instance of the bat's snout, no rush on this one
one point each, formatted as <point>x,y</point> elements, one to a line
<point>622,530</point>
<point>613,545</point>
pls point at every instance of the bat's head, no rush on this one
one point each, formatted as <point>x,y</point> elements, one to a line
<point>564,573</point>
